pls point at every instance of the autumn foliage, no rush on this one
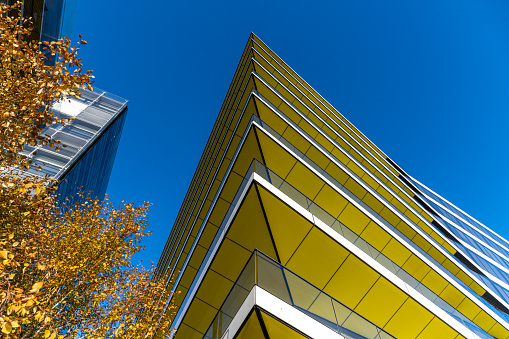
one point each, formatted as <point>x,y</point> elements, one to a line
<point>65,270</point>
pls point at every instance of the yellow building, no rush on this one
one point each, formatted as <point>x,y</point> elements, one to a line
<point>296,225</point>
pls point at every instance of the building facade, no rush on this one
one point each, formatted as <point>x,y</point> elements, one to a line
<point>296,225</point>
<point>97,118</point>
<point>91,139</point>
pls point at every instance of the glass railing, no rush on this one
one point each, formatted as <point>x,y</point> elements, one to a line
<point>362,244</point>
<point>276,279</point>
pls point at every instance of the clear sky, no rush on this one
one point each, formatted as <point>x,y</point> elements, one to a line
<point>426,81</point>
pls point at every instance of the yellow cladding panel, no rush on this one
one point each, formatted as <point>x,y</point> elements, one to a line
<point>230,259</point>
<point>304,180</point>
<point>498,331</point>
<point>381,302</point>
<point>317,258</point>
<point>324,142</point>
<point>416,267</point>
<point>249,229</point>
<point>452,296</point>
<point>187,278</point>
<point>409,321</point>
<point>337,173</point>
<point>351,281</point>
<point>186,332</point>
<point>267,92</point>
<point>396,252</point>
<point>199,315</point>
<point>219,212</point>
<point>290,112</point>
<point>277,329</point>
<point>388,215</point>
<point>331,201</point>
<point>251,329</point>
<point>373,202</point>
<point>308,128</point>
<point>354,187</point>
<point>370,181</point>
<point>287,226</point>
<point>264,75</point>
<point>484,320</point>
<point>434,282</point>
<point>231,186</point>
<point>208,235</point>
<point>403,227</point>
<point>276,158</point>
<point>317,157</point>
<point>340,156</point>
<point>250,110</point>
<point>250,150</point>
<point>437,329</point>
<point>269,117</point>
<point>353,218</point>
<point>197,257</point>
<point>375,236</point>
<point>214,289</point>
<point>296,139</point>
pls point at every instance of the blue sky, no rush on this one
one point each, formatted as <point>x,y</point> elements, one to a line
<point>427,81</point>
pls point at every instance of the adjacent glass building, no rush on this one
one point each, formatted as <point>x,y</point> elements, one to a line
<point>93,134</point>
<point>296,225</point>
<point>91,137</point>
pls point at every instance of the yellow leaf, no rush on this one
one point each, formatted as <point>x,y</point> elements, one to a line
<point>47,333</point>
<point>4,254</point>
<point>37,286</point>
<point>53,336</point>
<point>14,324</point>
<point>7,328</point>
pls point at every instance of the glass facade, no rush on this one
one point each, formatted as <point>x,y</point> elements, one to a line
<point>92,137</point>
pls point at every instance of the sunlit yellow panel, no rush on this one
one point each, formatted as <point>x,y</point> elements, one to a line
<point>452,296</point>
<point>272,119</point>
<point>317,157</point>
<point>353,218</point>
<point>231,186</point>
<point>384,193</point>
<point>416,267</point>
<point>484,320</point>
<point>230,259</point>
<point>277,159</point>
<point>388,215</point>
<point>310,130</point>
<point>296,140</point>
<point>355,168</point>
<point>208,235</point>
<point>370,181</point>
<point>421,242</point>
<point>250,150</point>
<point>287,226</point>
<point>476,287</point>
<point>277,329</point>
<point>354,187</point>
<point>304,181</point>
<point>219,211</point>
<point>337,173</point>
<point>317,258</point>
<point>373,202</point>
<point>351,282</point>
<point>434,282</point>
<point>214,288</point>
<point>498,331</point>
<point>403,227</point>
<point>265,76</point>
<point>324,142</point>
<point>409,320</point>
<point>396,252</point>
<point>331,201</point>
<point>437,329</point>
<point>197,256</point>
<point>200,315</point>
<point>267,93</point>
<point>381,302</point>
<point>249,228</point>
<point>290,112</point>
<point>188,276</point>
<point>375,236</point>
<point>251,329</point>
<point>284,92</point>
<point>187,332</point>
<point>340,156</point>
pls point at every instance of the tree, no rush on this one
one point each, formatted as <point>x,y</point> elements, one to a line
<point>65,270</point>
